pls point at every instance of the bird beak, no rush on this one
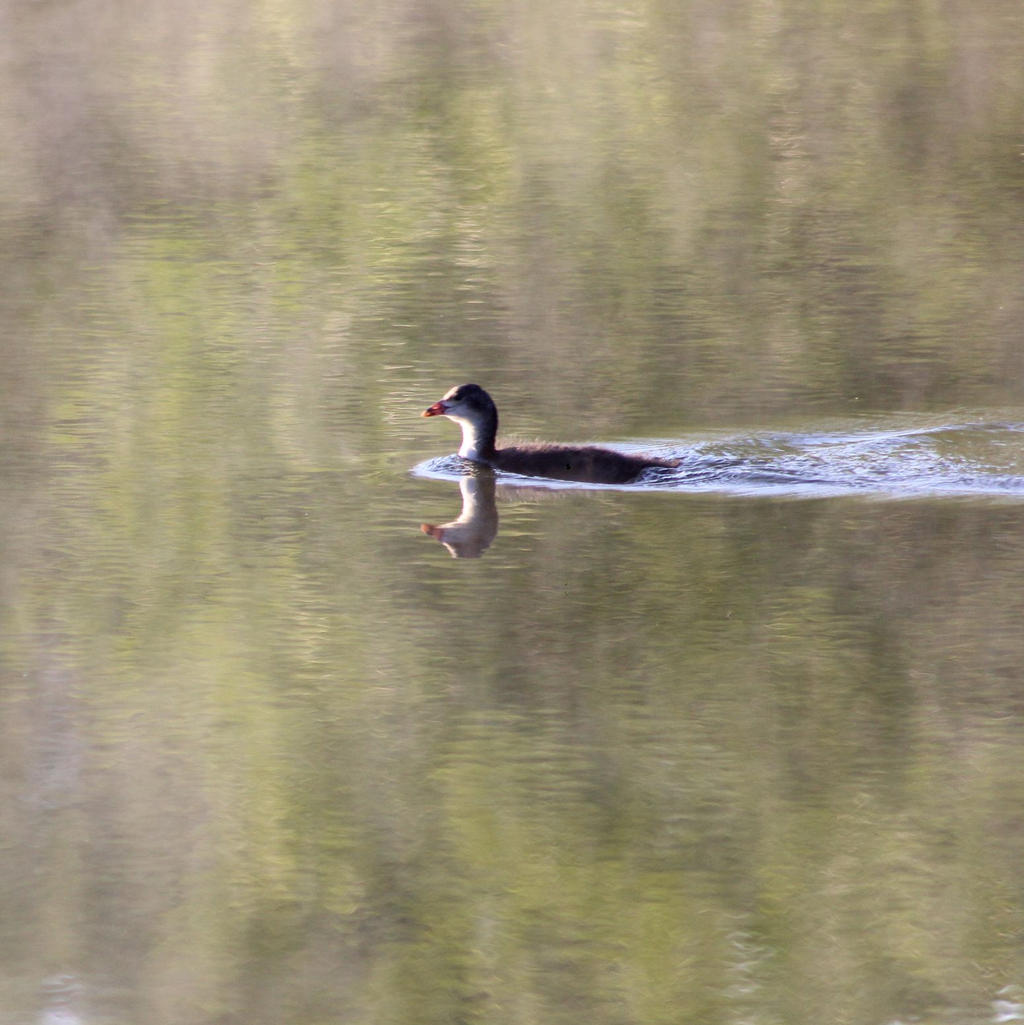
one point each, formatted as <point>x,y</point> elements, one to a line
<point>437,409</point>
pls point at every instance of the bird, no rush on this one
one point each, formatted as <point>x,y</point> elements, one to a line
<point>475,412</point>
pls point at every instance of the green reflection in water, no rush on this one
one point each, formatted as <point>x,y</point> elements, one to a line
<point>267,753</point>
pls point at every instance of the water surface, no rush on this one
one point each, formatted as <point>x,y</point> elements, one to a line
<point>740,743</point>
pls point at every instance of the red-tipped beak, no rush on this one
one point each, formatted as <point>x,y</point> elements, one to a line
<point>437,409</point>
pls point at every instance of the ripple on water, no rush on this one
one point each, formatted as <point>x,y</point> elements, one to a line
<point>951,459</point>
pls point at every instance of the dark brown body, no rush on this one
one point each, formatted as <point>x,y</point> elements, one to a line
<point>588,464</point>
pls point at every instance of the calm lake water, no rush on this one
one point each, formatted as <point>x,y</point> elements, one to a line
<point>741,743</point>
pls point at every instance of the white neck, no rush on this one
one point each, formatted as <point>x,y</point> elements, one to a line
<point>472,443</point>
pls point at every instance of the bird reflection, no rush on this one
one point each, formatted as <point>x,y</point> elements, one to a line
<point>60,995</point>
<point>471,534</point>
